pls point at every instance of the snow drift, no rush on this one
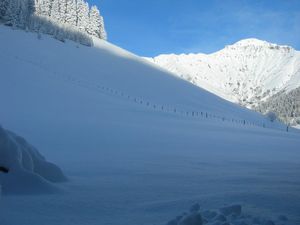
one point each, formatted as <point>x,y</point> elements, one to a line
<point>25,170</point>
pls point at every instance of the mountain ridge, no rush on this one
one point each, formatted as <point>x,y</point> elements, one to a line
<point>247,72</point>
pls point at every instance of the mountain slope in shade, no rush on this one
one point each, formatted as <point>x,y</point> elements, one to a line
<point>247,72</point>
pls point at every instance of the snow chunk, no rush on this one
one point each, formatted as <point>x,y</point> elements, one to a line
<point>269,222</point>
<point>24,169</point>
<point>195,207</point>
<point>221,218</point>
<point>209,215</point>
<point>230,215</point>
<point>282,218</point>
<point>233,209</point>
<point>191,219</point>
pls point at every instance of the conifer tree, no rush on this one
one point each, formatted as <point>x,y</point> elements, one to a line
<point>70,12</point>
<point>11,14</point>
<point>103,34</point>
<point>3,8</point>
<point>94,21</point>
<point>45,7</point>
<point>64,19</point>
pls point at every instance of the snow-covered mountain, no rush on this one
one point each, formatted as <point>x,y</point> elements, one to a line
<point>137,143</point>
<point>247,72</point>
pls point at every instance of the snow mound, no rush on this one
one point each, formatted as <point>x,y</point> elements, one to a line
<point>229,215</point>
<point>24,169</point>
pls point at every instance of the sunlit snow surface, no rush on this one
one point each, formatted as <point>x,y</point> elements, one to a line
<point>246,72</point>
<point>129,162</point>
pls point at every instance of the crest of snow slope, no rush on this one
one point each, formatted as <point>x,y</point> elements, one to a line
<point>28,171</point>
<point>110,67</point>
<point>246,72</point>
<point>129,162</point>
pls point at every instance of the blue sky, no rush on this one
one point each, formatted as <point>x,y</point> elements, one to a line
<point>152,27</point>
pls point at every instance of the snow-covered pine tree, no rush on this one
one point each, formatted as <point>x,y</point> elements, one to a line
<point>70,12</point>
<point>44,7</point>
<point>103,34</point>
<point>64,19</point>
<point>55,12</point>
<point>3,8</point>
<point>26,10</point>
<point>285,105</point>
<point>96,24</point>
<point>37,7</point>
<point>82,15</point>
<point>11,14</point>
<point>22,14</point>
<point>94,21</point>
<point>30,9</point>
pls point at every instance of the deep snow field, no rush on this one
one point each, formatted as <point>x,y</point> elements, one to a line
<point>128,137</point>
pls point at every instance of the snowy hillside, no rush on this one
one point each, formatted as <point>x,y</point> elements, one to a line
<point>138,144</point>
<point>247,72</point>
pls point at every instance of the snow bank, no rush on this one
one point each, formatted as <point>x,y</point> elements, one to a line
<point>229,215</point>
<point>24,169</point>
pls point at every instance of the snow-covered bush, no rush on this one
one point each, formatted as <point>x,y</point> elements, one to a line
<point>43,25</point>
<point>28,172</point>
<point>64,19</point>
<point>271,116</point>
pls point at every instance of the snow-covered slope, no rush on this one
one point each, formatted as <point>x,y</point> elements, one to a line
<point>137,143</point>
<point>133,76</point>
<point>246,72</point>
